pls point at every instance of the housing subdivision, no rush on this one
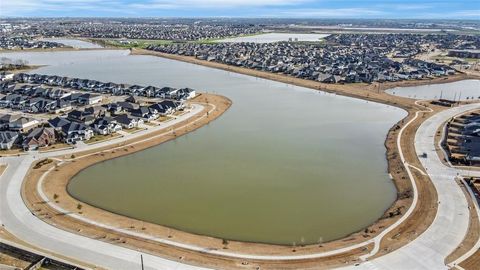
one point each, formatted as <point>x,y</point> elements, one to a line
<point>39,110</point>
<point>342,58</point>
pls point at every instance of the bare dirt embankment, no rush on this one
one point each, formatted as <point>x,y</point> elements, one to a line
<point>55,187</point>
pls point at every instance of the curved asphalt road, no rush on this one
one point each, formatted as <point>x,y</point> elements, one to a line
<point>18,220</point>
<point>450,225</point>
<point>426,252</point>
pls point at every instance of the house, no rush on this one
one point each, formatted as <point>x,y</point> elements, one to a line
<point>127,106</point>
<point>185,93</point>
<point>6,76</point>
<point>6,119</point>
<point>166,92</point>
<point>106,125</point>
<point>23,124</point>
<point>8,139</point>
<point>73,132</point>
<point>113,108</point>
<point>162,108</point>
<point>19,102</point>
<point>80,117</point>
<point>145,113</point>
<point>39,105</point>
<point>73,98</point>
<point>172,105</point>
<point>132,99</point>
<point>128,122</point>
<point>39,137</point>
<point>8,100</point>
<point>96,111</point>
<point>141,112</point>
<point>89,99</point>
<point>61,106</point>
<point>57,94</point>
<point>57,123</point>
<point>149,91</point>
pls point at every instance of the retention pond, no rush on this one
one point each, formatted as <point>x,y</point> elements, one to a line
<point>283,165</point>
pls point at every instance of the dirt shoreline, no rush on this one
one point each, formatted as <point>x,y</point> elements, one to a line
<point>421,218</point>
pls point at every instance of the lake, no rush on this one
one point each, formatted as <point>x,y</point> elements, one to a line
<point>75,43</point>
<point>460,90</point>
<point>284,164</point>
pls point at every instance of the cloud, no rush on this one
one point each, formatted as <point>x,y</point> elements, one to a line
<point>21,7</point>
<point>215,4</point>
<point>35,7</point>
<point>333,13</point>
<point>428,9</point>
<point>410,6</point>
<point>474,13</point>
<point>448,15</point>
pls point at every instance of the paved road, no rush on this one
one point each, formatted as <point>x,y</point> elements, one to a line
<point>434,245</point>
<point>450,225</point>
<point>18,220</point>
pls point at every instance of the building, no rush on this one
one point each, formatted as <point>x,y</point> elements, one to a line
<point>23,124</point>
<point>6,76</point>
<point>89,99</point>
<point>128,122</point>
<point>73,132</point>
<point>8,139</point>
<point>39,137</point>
<point>106,125</point>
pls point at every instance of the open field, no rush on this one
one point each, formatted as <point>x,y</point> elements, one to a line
<point>127,44</point>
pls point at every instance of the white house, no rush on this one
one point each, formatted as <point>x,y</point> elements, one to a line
<point>6,76</point>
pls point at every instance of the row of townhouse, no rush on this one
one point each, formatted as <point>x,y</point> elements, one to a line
<point>106,88</point>
<point>36,99</point>
<point>463,139</point>
<point>10,43</point>
<point>79,125</point>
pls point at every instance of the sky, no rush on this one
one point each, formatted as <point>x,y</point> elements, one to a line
<point>390,9</point>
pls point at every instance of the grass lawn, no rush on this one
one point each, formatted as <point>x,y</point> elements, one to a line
<point>54,146</point>
<point>178,113</point>
<point>133,130</point>
<point>150,124</point>
<point>100,138</point>
<point>164,118</point>
<point>134,43</point>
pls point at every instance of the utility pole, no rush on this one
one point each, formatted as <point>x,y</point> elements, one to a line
<point>141,260</point>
